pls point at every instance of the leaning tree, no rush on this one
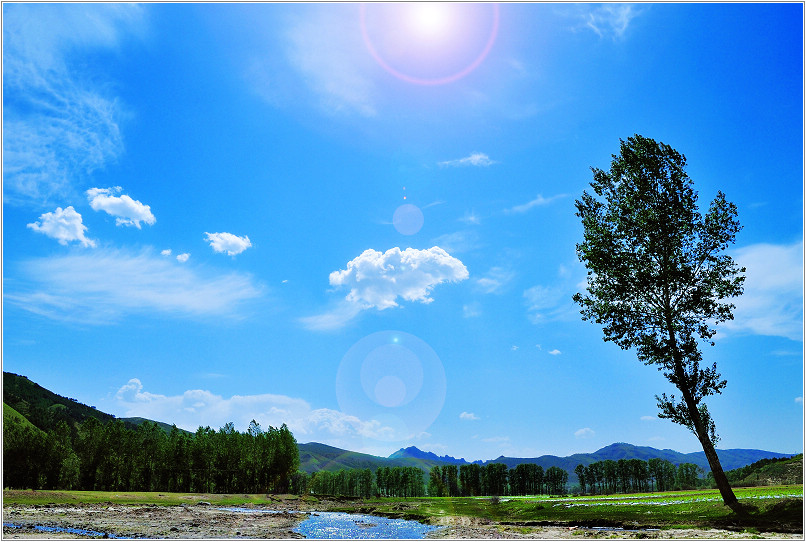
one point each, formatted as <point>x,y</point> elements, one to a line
<point>659,279</point>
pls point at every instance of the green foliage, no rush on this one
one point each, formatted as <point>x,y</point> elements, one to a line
<point>114,457</point>
<point>657,274</point>
<point>658,277</point>
<point>42,407</point>
<point>769,471</point>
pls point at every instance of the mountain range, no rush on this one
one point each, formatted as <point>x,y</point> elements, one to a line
<point>315,456</point>
<point>36,403</point>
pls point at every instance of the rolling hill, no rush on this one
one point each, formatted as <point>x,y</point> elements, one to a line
<point>44,409</point>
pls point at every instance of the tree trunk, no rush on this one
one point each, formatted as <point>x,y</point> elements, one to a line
<point>721,480</point>
<point>719,477</point>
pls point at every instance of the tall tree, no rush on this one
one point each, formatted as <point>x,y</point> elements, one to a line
<point>658,277</point>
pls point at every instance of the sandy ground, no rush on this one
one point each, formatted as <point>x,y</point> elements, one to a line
<point>205,521</point>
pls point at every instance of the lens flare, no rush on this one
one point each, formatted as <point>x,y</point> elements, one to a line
<point>429,43</point>
<point>394,379</point>
<point>408,219</point>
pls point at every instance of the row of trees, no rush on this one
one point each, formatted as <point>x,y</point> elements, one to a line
<point>635,475</point>
<point>114,457</point>
<point>386,482</point>
<point>495,479</point>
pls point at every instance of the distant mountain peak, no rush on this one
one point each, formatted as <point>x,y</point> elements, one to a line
<point>414,452</point>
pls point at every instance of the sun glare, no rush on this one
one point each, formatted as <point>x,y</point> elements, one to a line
<point>428,19</point>
<point>429,43</point>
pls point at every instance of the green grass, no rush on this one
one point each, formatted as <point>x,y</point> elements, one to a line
<point>771,508</point>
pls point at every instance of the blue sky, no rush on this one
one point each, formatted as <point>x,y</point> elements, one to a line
<point>359,221</point>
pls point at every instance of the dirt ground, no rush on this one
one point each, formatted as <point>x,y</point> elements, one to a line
<point>192,521</point>
<point>202,520</point>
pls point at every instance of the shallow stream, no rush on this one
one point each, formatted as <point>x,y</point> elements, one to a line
<point>359,526</point>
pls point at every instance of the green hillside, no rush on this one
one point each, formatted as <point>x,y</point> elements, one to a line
<point>11,416</point>
<point>42,407</point>
<point>773,471</point>
<point>45,409</point>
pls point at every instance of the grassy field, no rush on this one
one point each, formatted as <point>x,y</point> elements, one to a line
<point>776,508</point>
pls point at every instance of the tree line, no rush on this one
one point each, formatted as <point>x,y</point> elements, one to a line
<point>385,482</point>
<point>114,457</point>
<point>495,479</point>
<point>636,475</point>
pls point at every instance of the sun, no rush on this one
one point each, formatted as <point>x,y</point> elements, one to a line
<point>429,43</point>
<point>429,19</point>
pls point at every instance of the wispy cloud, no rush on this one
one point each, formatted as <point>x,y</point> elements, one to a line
<point>228,242</point>
<point>495,280</point>
<point>545,303</point>
<point>471,310</point>
<point>468,416</point>
<point>127,211</point>
<point>101,287</point>
<point>772,303</point>
<point>585,432</point>
<point>64,225</point>
<point>57,126</point>
<point>477,159</point>
<point>332,60</point>
<point>200,408</point>
<point>609,20</point>
<point>459,242</point>
<point>555,352</point>
<point>539,201</point>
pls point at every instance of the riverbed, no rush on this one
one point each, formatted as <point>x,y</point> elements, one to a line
<point>202,520</point>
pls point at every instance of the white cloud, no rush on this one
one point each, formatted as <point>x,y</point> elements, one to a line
<point>182,258</point>
<point>166,252</point>
<point>227,242</point>
<point>799,400</point>
<point>468,416</point>
<point>102,286</point>
<point>498,440</point>
<point>648,418</point>
<point>585,432</point>
<point>772,303</point>
<point>376,279</point>
<point>200,408</point>
<point>539,201</point>
<point>64,225</point>
<point>477,159</point>
<point>57,126</point>
<point>555,352</point>
<point>127,211</point>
